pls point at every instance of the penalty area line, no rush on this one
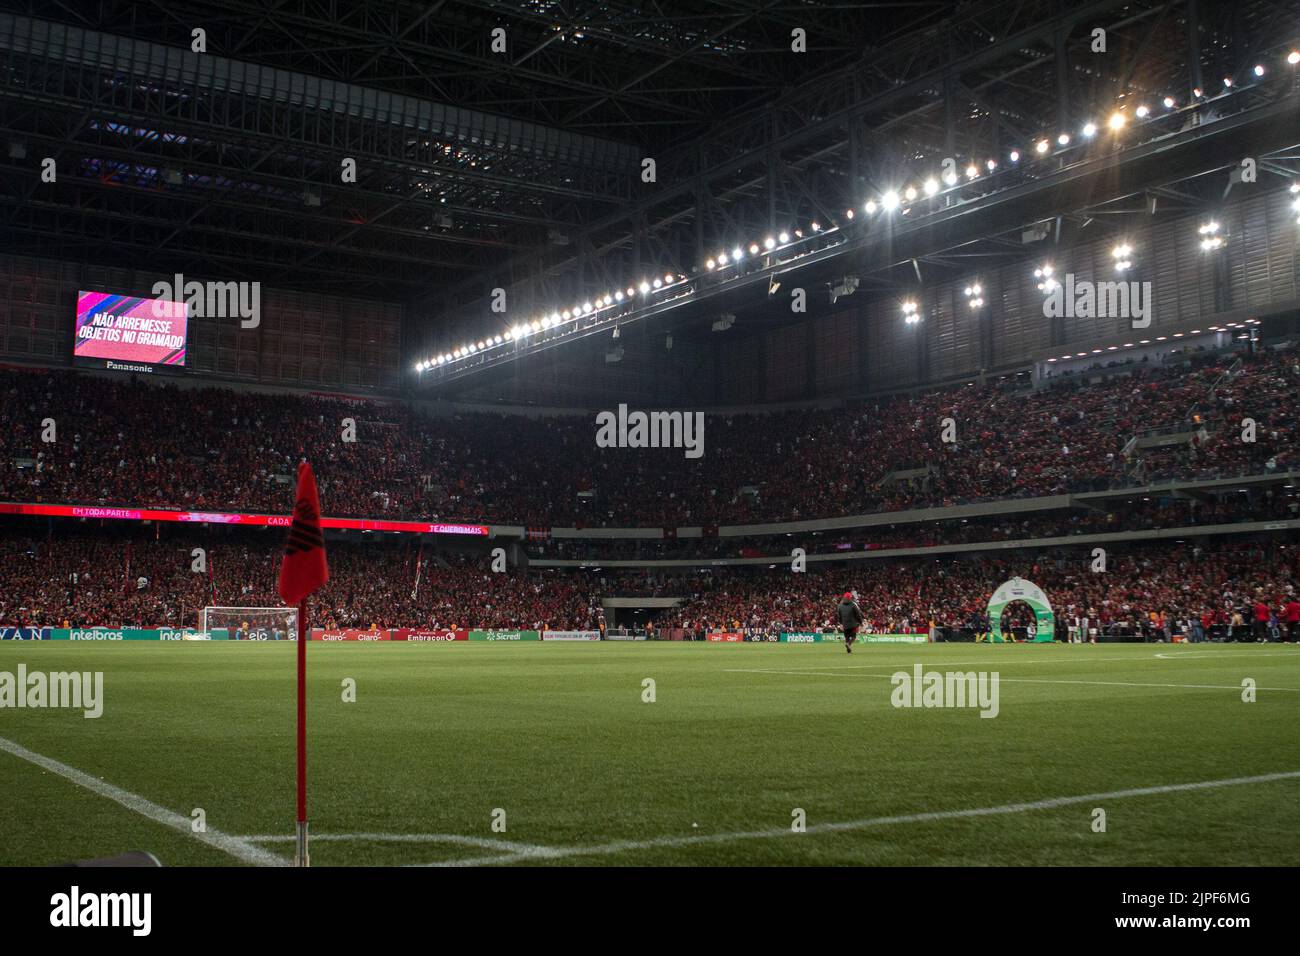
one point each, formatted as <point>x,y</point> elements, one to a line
<point>626,846</point>
<point>240,849</point>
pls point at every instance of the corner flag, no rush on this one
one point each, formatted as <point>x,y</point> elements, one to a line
<point>303,569</point>
<point>302,572</point>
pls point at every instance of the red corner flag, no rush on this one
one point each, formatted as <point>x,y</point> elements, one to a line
<point>302,571</point>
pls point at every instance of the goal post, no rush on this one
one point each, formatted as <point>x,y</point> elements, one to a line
<point>251,623</point>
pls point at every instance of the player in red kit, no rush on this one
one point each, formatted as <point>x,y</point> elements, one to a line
<point>1261,614</point>
<point>1290,617</point>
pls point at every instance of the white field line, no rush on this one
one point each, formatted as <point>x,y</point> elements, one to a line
<point>1177,654</point>
<point>624,846</point>
<point>240,849</point>
<point>1005,680</point>
<point>481,842</point>
<point>1134,659</point>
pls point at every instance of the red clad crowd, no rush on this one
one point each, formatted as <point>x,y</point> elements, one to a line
<point>1146,590</point>
<point>95,577</point>
<point>88,578</point>
<point>128,442</point>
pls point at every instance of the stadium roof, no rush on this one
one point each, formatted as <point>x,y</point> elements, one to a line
<point>522,169</point>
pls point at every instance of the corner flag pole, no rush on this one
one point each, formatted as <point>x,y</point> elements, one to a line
<point>302,571</point>
<point>303,858</point>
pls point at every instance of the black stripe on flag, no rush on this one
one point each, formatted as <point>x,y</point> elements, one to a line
<point>303,538</point>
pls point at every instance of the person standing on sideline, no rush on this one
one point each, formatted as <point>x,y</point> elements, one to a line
<point>850,618</point>
<point>1291,618</point>
<point>1261,615</point>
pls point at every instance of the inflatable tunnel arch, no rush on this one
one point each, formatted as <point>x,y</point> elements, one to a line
<point>1018,589</point>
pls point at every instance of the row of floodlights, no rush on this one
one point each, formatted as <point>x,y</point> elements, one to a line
<point>888,201</point>
<point>1226,327</point>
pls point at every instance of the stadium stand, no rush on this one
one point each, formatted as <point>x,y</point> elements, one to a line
<point>92,577</point>
<point>108,578</point>
<point>221,449</point>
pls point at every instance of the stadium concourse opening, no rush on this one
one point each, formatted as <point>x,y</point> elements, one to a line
<point>545,434</point>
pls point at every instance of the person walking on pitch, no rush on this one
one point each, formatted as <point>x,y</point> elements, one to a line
<point>850,617</point>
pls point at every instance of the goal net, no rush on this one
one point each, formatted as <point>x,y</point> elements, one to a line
<point>251,623</point>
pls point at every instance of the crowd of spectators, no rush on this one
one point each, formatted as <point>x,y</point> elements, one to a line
<point>97,578</point>
<point>1250,426</point>
<point>116,578</point>
<point>120,442</point>
<point>1145,589</point>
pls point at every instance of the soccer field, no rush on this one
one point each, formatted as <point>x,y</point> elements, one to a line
<point>557,740</point>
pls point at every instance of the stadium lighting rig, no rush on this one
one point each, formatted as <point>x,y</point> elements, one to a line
<point>567,321</point>
<point>911,312</point>
<point>889,201</point>
<point>1046,279</point>
<point>975,295</point>
<point>1211,238</point>
<point>1109,348</point>
<point>1123,256</point>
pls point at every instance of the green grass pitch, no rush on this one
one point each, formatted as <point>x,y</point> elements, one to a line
<point>739,736</point>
